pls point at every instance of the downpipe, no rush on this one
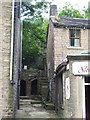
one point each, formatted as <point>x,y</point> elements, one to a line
<point>12,41</point>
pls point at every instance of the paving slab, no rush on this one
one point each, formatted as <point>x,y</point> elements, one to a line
<point>35,111</point>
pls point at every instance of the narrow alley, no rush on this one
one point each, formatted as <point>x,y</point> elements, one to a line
<point>34,109</point>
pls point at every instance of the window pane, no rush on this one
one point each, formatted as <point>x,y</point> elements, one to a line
<point>77,33</point>
<point>72,33</point>
<point>72,42</point>
<point>87,79</point>
<point>76,42</point>
<point>75,37</point>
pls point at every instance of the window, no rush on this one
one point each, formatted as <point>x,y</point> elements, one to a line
<point>75,37</point>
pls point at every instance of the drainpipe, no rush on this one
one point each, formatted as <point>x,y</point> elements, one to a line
<point>12,40</point>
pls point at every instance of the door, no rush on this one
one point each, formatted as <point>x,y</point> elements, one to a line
<point>87,97</point>
<point>34,87</point>
<point>22,88</point>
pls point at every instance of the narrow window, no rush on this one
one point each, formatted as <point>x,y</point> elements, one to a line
<point>74,37</point>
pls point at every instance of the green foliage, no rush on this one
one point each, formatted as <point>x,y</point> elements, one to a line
<point>34,39</point>
<point>87,13</point>
<point>34,8</point>
<point>34,31</point>
<point>69,11</point>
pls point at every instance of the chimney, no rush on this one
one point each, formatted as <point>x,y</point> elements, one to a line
<point>53,10</point>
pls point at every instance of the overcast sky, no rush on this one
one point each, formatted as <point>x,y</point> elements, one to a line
<point>77,3</point>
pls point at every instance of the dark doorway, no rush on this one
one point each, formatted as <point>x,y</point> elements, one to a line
<point>22,88</point>
<point>34,87</point>
<point>87,98</point>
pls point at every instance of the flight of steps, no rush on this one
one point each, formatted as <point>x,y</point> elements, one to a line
<point>25,101</point>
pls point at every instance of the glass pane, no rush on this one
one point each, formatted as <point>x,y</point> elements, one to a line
<point>74,33</point>
<point>72,42</point>
<point>76,42</point>
<point>87,79</point>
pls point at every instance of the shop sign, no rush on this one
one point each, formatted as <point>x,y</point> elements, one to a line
<point>81,68</point>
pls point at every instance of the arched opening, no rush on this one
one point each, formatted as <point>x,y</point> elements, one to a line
<point>34,87</point>
<point>22,88</point>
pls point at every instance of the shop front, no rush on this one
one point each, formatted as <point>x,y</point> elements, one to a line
<point>72,83</point>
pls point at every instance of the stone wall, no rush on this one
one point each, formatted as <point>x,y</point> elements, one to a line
<point>8,91</point>
<point>50,58</point>
<point>58,46</point>
<point>62,44</point>
<point>5,39</point>
<point>42,84</point>
<point>72,107</point>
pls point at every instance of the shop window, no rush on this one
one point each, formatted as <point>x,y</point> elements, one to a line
<point>87,79</point>
<point>74,37</point>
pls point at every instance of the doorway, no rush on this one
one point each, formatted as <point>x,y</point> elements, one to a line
<point>22,88</point>
<point>87,97</point>
<point>34,87</point>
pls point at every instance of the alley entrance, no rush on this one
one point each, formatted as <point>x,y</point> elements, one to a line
<point>87,97</point>
<point>30,108</point>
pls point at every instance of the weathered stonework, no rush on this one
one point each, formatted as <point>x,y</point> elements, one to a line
<point>67,90</point>
<point>58,47</point>
<point>41,87</point>
<point>7,92</point>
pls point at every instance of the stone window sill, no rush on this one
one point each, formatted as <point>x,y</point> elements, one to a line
<point>75,48</point>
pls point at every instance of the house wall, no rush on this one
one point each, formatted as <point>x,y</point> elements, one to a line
<point>7,91</point>
<point>58,46</point>
<point>62,44</point>
<point>17,55</point>
<point>50,59</point>
<point>5,34</point>
<point>72,107</point>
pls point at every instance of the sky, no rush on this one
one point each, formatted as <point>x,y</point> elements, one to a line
<point>76,3</point>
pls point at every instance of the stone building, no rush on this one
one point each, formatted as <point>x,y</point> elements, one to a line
<point>34,84</point>
<point>10,56</point>
<point>67,54</point>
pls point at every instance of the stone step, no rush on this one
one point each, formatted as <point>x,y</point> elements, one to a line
<point>36,102</point>
<point>26,101</point>
<point>22,105</point>
<point>35,97</point>
<point>30,101</point>
<point>24,97</point>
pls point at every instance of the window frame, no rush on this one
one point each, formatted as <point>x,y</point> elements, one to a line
<point>79,38</point>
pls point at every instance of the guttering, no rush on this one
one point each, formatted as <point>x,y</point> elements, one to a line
<point>12,40</point>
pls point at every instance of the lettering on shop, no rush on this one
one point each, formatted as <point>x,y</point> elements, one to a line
<point>81,68</point>
<point>84,69</point>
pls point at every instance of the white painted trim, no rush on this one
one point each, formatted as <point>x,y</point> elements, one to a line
<point>84,109</point>
<point>86,83</point>
<point>84,106</point>
<point>12,37</point>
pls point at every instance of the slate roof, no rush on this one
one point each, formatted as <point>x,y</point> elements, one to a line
<point>70,22</point>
